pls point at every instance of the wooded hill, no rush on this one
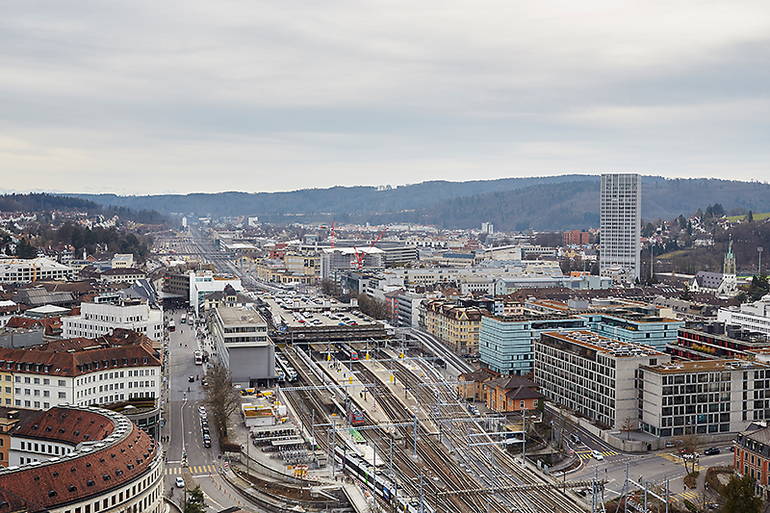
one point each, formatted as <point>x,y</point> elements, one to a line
<point>539,203</point>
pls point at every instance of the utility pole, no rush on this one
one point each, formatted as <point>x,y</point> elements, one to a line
<point>414,435</point>
<point>422,494</point>
<point>759,262</point>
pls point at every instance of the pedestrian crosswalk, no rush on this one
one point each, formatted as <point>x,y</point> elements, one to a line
<point>690,495</point>
<point>193,469</point>
<point>587,455</point>
<point>676,459</point>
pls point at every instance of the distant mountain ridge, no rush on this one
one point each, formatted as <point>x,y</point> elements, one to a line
<point>540,203</point>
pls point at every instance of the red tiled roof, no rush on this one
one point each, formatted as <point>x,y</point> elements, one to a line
<point>74,357</point>
<point>64,425</point>
<point>44,487</point>
<point>122,271</point>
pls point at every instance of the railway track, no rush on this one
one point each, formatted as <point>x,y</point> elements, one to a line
<point>442,472</point>
<point>491,461</point>
<point>311,408</point>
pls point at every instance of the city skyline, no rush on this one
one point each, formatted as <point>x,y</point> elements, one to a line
<point>262,98</point>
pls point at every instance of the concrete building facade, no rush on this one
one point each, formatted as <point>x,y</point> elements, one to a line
<point>592,375</point>
<point>620,223</point>
<point>243,345</point>
<point>709,397</point>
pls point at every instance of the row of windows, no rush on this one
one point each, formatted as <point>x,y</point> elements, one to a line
<point>43,448</point>
<point>37,381</point>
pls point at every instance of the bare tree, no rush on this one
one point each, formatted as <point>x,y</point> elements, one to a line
<point>330,288</point>
<point>628,426</point>
<point>689,444</point>
<point>372,307</point>
<point>222,399</point>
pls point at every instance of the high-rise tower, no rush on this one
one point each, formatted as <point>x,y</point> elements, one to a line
<point>621,219</point>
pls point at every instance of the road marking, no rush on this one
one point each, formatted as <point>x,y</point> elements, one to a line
<point>199,470</point>
<point>587,455</point>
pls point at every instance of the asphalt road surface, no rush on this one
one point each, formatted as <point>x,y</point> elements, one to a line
<point>184,428</point>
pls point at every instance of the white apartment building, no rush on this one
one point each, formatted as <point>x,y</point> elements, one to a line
<point>108,313</point>
<point>621,218</point>
<point>706,397</point>
<point>593,375</point>
<point>19,270</point>
<point>203,283</point>
<point>82,372</point>
<point>752,316</point>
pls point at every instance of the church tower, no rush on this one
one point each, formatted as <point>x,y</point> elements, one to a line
<point>729,285</point>
<point>729,265</point>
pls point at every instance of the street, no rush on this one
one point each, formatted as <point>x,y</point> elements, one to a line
<point>183,426</point>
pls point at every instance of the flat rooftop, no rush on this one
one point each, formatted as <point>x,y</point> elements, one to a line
<point>242,315</point>
<point>705,366</point>
<point>314,315</point>
<point>610,346</point>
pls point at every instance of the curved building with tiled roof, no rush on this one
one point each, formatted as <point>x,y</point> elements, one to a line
<point>81,460</point>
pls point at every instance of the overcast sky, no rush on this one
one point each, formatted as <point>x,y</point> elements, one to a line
<point>157,96</point>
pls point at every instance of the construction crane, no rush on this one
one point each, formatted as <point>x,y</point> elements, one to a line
<point>358,261</point>
<point>378,237</point>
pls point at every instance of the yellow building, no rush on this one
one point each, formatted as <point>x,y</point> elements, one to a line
<point>305,265</point>
<point>457,326</point>
<point>272,273</point>
<point>6,389</point>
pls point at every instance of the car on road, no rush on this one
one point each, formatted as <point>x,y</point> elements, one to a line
<point>201,410</point>
<point>179,482</point>
<point>191,379</point>
<point>597,455</point>
<point>206,443</point>
<point>711,451</point>
<point>575,438</point>
<point>670,444</point>
<point>205,431</point>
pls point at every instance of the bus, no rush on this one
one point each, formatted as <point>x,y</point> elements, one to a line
<point>198,358</point>
<point>171,326</point>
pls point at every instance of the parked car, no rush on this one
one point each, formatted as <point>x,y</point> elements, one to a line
<point>201,410</point>
<point>670,444</point>
<point>711,451</point>
<point>205,431</point>
<point>179,482</point>
<point>596,454</point>
<point>206,443</point>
